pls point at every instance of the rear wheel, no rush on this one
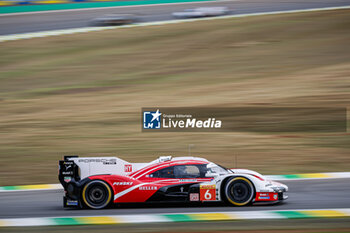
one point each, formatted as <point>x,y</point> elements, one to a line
<point>239,191</point>
<point>97,194</point>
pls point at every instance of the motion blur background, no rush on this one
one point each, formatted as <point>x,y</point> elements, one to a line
<point>83,93</point>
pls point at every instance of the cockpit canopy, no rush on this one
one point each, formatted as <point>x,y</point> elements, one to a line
<point>184,171</point>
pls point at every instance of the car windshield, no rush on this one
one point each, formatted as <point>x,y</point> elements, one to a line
<point>214,168</point>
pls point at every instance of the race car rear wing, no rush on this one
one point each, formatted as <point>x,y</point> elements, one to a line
<point>77,168</point>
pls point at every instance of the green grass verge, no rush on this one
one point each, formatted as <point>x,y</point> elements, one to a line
<point>85,5</point>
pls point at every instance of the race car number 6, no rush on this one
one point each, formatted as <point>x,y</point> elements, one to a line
<point>207,195</point>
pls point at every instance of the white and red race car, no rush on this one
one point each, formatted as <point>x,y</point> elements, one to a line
<point>97,182</point>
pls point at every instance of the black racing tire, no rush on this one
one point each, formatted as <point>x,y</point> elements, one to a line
<point>97,194</point>
<point>239,191</point>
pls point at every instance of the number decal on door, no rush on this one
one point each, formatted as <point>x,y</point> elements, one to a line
<point>207,193</point>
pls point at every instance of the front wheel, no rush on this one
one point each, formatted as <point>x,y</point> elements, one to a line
<point>97,194</point>
<point>239,191</point>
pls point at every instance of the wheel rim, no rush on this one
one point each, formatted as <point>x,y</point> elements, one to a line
<point>240,191</point>
<point>97,195</point>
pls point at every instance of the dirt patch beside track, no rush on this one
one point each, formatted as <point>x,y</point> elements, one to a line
<point>82,94</point>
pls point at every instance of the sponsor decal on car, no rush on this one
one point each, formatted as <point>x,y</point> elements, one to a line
<point>148,188</point>
<point>188,180</point>
<point>208,192</point>
<point>72,202</point>
<point>263,196</point>
<point>104,161</point>
<point>67,168</point>
<point>123,183</point>
<point>67,179</point>
<point>266,196</point>
<point>194,196</point>
<point>128,168</point>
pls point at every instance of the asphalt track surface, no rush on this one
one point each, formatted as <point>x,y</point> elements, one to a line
<point>14,24</point>
<point>304,194</point>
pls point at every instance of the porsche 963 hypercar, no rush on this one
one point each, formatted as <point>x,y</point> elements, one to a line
<point>97,182</point>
